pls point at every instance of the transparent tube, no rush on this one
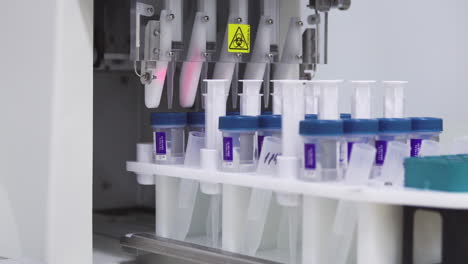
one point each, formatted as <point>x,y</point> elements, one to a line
<point>293,106</point>
<point>417,139</point>
<point>429,148</point>
<point>361,102</point>
<point>251,97</point>
<point>215,98</point>
<point>381,145</point>
<point>322,157</point>
<point>168,144</point>
<point>393,171</point>
<point>312,95</point>
<point>360,164</point>
<point>293,111</point>
<point>394,99</point>
<point>277,96</point>
<point>215,106</point>
<point>350,140</point>
<point>262,133</point>
<point>328,100</point>
<point>238,151</point>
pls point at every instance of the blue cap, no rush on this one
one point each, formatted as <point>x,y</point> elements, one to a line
<point>238,122</point>
<point>269,122</point>
<point>168,119</point>
<point>360,126</point>
<point>345,116</point>
<point>427,124</point>
<point>232,113</point>
<point>394,125</point>
<point>196,118</point>
<point>311,116</point>
<point>311,127</point>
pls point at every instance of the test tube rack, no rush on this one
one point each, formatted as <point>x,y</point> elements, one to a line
<point>380,220</point>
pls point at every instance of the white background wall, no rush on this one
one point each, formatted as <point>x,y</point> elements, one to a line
<point>423,42</point>
<point>26,81</point>
<point>46,129</point>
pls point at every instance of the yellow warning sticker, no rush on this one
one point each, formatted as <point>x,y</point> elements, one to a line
<point>239,38</point>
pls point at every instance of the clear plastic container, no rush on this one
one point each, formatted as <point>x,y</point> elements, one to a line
<point>322,150</point>
<point>268,125</point>
<point>196,121</point>
<point>239,148</point>
<point>358,131</point>
<point>390,129</point>
<point>424,128</point>
<point>169,137</point>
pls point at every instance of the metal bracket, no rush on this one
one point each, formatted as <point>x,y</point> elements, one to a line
<point>152,39</point>
<point>140,9</point>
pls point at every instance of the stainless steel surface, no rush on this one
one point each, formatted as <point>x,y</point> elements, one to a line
<point>182,250</point>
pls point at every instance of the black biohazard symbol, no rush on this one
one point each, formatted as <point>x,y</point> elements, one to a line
<point>238,42</point>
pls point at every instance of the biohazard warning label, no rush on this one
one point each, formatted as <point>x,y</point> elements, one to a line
<point>239,38</point>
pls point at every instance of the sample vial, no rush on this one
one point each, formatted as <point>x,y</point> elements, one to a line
<point>169,137</point>
<point>268,125</point>
<point>390,129</point>
<point>196,121</point>
<point>358,131</point>
<point>322,149</point>
<point>424,128</point>
<point>238,142</point>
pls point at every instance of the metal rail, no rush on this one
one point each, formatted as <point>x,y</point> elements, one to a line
<point>186,251</point>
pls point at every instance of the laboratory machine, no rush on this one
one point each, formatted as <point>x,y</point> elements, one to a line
<point>241,155</point>
<point>210,139</point>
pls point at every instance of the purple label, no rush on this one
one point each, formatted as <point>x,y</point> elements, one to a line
<point>260,144</point>
<point>309,156</point>
<point>227,149</point>
<point>381,148</point>
<point>160,140</point>
<point>415,146</point>
<point>350,148</point>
